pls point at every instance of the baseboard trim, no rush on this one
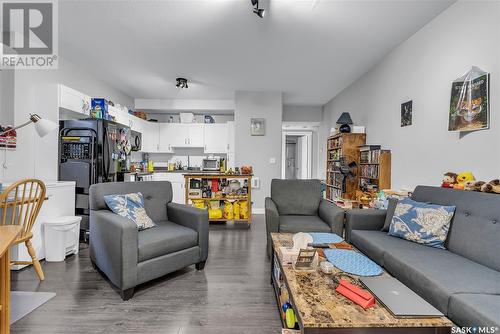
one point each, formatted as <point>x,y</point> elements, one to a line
<point>258,211</point>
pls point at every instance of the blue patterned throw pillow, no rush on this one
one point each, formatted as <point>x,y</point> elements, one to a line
<point>426,224</point>
<point>130,206</point>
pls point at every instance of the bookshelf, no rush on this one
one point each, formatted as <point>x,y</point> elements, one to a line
<point>337,145</point>
<point>374,168</point>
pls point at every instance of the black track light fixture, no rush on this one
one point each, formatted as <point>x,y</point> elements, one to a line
<point>181,83</point>
<point>259,11</point>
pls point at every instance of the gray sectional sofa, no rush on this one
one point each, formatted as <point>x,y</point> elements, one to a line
<point>462,281</point>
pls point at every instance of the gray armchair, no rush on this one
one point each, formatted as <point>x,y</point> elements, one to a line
<point>297,206</point>
<point>129,257</point>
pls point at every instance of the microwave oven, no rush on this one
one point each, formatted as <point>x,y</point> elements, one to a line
<point>136,140</point>
<point>210,165</point>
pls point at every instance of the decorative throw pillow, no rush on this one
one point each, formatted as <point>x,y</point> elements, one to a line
<point>130,206</point>
<point>424,223</point>
<point>391,206</point>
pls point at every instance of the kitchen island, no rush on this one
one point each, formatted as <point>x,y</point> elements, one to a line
<point>227,197</point>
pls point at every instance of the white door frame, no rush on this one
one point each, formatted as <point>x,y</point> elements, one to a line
<point>308,135</point>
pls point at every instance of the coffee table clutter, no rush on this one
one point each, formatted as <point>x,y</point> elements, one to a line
<point>325,238</point>
<point>352,262</point>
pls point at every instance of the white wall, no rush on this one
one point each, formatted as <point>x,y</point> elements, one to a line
<point>422,68</point>
<point>304,113</point>
<point>36,92</point>
<point>258,150</point>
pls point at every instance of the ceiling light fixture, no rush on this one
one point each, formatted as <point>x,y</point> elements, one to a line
<point>181,83</point>
<point>259,11</point>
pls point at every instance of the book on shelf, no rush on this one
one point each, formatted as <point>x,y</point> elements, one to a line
<point>369,147</point>
<point>369,171</point>
<point>369,157</point>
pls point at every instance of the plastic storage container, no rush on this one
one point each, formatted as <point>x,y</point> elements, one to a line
<point>62,236</point>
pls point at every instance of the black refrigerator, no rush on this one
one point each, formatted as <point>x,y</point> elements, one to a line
<point>92,151</point>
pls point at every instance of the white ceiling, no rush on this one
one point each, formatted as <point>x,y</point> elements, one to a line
<point>310,49</point>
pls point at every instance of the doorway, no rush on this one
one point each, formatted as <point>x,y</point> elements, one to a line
<point>296,155</point>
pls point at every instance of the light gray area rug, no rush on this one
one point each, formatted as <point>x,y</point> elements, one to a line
<point>23,303</point>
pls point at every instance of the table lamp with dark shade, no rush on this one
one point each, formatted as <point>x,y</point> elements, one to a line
<point>345,121</point>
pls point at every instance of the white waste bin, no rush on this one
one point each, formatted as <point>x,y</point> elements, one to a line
<point>62,236</point>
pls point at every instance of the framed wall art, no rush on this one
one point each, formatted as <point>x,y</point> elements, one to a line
<point>406,113</point>
<point>469,103</point>
<point>258,127</point>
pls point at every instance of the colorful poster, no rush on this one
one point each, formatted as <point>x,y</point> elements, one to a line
<point>469,104</point>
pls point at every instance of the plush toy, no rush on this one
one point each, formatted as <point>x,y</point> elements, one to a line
<point>449,180</point>
<point>462,178</point>
<point>473,185</point>
<point>491,187</point>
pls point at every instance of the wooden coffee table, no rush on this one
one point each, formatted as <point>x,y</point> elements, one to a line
<point>320,309</point>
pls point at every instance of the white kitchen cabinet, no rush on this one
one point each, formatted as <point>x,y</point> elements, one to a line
<point>135,123</point>
<point>150,137</point>
<point>216,138</point>
<point>177,181</point>
<point>196,135</point>
<point>73,100</point>
<point>171,136</point>
<point>230,137</point>
<point>180,135</point>
<point>119,115</point>
<point>61,202</point>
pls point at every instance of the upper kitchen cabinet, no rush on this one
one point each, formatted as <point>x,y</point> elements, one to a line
<point>169,137</point>
<point>73,100</point>
<point>150,135</point>
<point>119,115</point>
<point>180,135</point>
<point>216,138</point>
<point>195,135</point>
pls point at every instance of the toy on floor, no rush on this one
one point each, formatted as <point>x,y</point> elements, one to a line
<point>449,180</point>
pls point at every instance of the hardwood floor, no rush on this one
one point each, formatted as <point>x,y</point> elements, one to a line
<point>231,296</point>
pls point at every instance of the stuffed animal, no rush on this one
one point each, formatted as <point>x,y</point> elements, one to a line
<point>491,187</point>
<point>473,185</point>
<point>449,180</point>
<point>462,178</point>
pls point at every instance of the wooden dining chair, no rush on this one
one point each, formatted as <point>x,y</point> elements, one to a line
<point>20,204</point>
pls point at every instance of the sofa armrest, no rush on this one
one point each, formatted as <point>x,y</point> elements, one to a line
<point>333,215</point>
<point>364,219</point>
<point>193,218</point>
<point>272,216</point>
<point>272,221</point>
<point>113,247</point>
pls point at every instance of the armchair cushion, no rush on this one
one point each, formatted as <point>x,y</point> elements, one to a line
<point>130,206</point>
<point>165,238</point>
<point>295,224</point>
<point>296,197</point>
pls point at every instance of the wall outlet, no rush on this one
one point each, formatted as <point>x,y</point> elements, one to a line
<point>272,161</point>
